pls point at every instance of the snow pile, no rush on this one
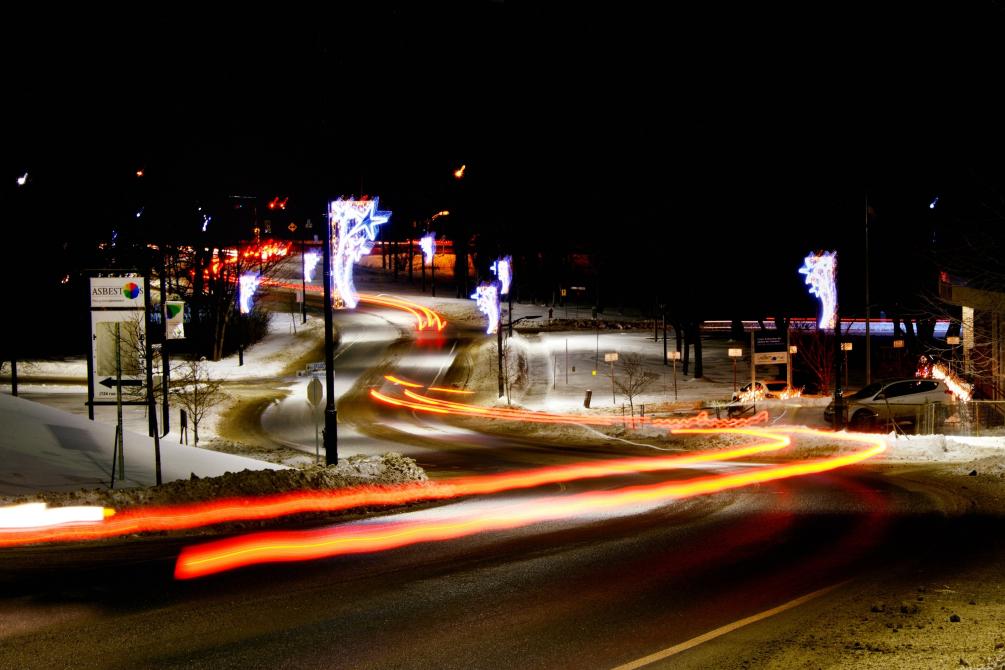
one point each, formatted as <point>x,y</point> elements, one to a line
<point>384,470</point>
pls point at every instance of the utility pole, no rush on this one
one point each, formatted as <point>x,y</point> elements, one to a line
<point>303,275</point>
<point>151,403</point>
<point>868,339</point>
<point>331,416</point>
<point>499,347</point>
<point>663,311</point>
<point>166,369</point>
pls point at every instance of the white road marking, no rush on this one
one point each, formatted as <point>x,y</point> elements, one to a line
<point>728,628</point>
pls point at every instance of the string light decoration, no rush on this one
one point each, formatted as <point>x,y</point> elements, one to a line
<point>503,269</point>
<point>249,284</point>
<point>929,369</point>
<point>311,259</point>
<point>354,227</point>
<point>428,245</point>
<point>821,275</point>
<point>487,300</point>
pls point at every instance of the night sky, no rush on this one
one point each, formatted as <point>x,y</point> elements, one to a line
<point>717,143</point>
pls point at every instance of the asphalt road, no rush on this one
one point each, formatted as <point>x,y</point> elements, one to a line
<point>588,593</point>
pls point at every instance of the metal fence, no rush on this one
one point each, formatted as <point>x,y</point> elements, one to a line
<point>977,417</point>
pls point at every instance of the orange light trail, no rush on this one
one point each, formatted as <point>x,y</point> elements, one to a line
<point>446,390</point>
<point>402,382</point>
<point>219,556</point>
<point>438,406</point>
<point>184,517</point>
<point>425,318</point>
<point>416,385</point>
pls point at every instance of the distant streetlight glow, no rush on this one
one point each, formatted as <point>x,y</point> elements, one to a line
<point>933,203</point>
<point>139,212</point>
<point>23,179</point>
<point>459,172</point>
<point>139,173</point>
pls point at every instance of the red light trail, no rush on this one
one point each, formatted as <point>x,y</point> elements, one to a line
<point>438,406</point>
<point>425,318</point>
<point>213,557</point>
<point>183,517</point>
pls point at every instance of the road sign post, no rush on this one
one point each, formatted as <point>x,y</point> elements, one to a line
<point>674,356</point>
<point>610,358</point>
<point>315,392</point>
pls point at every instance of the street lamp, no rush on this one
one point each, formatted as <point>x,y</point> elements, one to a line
<point>428,246</point>
<point>734,354</point>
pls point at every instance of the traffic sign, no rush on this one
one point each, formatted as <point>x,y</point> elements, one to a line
<point>111,383</point>
<point>610,358</point>
<point>292,227</point>
<point>315,392</point>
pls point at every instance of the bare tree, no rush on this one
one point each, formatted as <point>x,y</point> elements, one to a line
<point>197,392</point>
<point>816,351</point>
<point>634,378</point>
<point>515,368</point>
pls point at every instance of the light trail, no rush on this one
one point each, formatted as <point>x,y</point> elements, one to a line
<point>39,515</point>
<point>213,557</point>
<point>183,517</point>
<point>402,382</point>
<point>439,406</point>
<point>425,318</point>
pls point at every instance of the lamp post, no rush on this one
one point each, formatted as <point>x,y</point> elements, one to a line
<point>432,252</point>
<point>734,354</point>
<point>331,414</point>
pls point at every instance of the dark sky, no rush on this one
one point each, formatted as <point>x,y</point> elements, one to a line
<point>737,134</point>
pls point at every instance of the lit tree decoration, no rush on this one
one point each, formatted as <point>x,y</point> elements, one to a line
<point>487,300</point>
<point>249,284</point>
<point>354,226</point>
<point>928,368</point>
<point>503,268</point>
<point>821,274</point>
<point>311,259</point>
<point>428,245</point>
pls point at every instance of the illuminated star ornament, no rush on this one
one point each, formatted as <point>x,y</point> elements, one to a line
<point>428,245</point>
<point>487,299</point>
<point>249,284</point>
<point>354,227</point>
<point>821,275</point>
<point>503,268</point>
<point>311,259</point>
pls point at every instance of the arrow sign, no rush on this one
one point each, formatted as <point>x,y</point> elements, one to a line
<point>110,383</point>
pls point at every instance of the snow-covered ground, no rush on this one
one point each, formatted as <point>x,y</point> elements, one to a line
<point>562,367</point>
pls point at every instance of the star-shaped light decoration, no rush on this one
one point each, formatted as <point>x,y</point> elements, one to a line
<point>821,274</point>
<point>486,298</point>
<point>354,227</point>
